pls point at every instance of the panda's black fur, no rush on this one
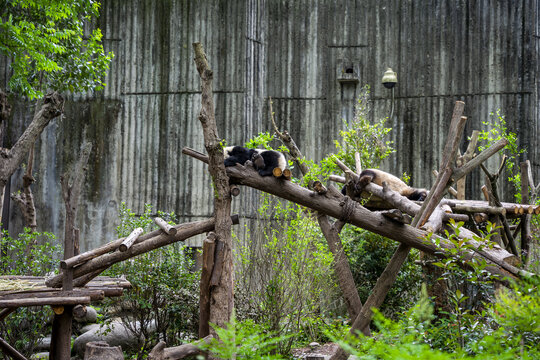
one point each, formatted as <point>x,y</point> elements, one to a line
<point>237,155</point>
<point>378,177</point>
<point>264,161</point>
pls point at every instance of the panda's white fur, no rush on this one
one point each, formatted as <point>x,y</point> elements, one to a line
<point>279,158</point>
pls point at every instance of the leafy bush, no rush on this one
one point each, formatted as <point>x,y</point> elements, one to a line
<point>243,340</point>
<point>35,254</point>
<point>412,337</point>
<point>368,255</point>
<point>165,289</point>
<point>285,284</point>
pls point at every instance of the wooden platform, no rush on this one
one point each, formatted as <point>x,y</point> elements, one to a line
<point>21,291</point>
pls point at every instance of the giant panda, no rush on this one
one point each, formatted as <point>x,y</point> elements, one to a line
<point>394,183</point>
<point>264,161</point>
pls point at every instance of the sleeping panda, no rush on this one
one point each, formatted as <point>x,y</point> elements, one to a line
<point>264,161</point>
<point>394,183</point>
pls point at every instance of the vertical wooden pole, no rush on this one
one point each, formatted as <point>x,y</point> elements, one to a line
<point>526,238</point>
<point>61,330</point>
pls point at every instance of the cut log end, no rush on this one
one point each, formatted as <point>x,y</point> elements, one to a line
<point>235,190</point>
<point>287,174</point>
<point>58,309</point>
<point>277,172</point>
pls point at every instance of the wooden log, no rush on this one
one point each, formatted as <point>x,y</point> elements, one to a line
<point>319,188</point>
<point>451,190</point>
<point>479,159</point>
<point>10,350</point>
<point>396,215</point>
<point>330,205</point>
<point>473,208</point>
<point>341,265</point>
<point>165,226</point>
<point>287,174</point>
<point>185,231</point>
<point>462,160</point>
<point>130,240</point>
<point>4,313</point>
<point>277,172</point>
<point>337,178</point>
<point>94,295</point>
<point>161,352</point>
<point>219,256</point>
<point>15,303</point>
<point>526,237</point>
<point>235,190</point>
<point>209,246</point>
<point>357,162</point>
<point>58,309</point>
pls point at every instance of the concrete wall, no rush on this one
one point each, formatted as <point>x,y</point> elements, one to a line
<point>482,52</point>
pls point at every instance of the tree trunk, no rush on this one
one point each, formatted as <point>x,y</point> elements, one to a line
<point>222,300</point>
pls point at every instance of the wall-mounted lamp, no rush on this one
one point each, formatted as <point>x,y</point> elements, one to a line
<point>389,80</point>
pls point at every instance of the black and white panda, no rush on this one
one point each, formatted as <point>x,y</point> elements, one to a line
<point>394,183</point>
<point>264,161</point>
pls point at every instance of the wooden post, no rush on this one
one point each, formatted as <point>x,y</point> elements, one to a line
<point>526,237</point>
<point>71,188</point>
<point>206,272</point>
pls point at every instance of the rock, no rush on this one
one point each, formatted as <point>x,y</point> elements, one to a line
<point>114,334</point>
<point>100,350</point>
<point>40,356</point>
<point>44,344</point>
<point>89,327</point>
<point>314,345</point>
<point>89,317</point>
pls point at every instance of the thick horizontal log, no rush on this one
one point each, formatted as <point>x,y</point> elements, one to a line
<point>472,209</point>
<point>185,231</point>
<point>94,295</point>
<point>343,208</point>
<point>479,206</point>
<point>15,303</point>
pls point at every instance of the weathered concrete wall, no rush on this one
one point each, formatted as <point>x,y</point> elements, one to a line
<point>482,52</point>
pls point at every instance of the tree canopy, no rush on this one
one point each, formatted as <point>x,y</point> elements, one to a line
<point>48,47</point>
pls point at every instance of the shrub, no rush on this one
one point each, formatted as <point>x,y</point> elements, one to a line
<point>31,253</point>
<point>164,290</point>
<point>285,283</point>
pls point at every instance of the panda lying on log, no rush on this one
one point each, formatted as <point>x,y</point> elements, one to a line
<point>264,161</point>
<point>394,183</point>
